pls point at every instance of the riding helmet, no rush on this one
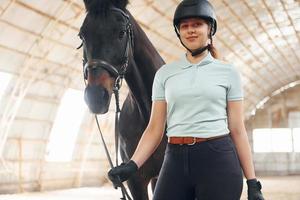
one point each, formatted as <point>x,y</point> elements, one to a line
<point>195,8</point>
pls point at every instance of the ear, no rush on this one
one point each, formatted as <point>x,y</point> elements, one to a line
<point>96,6</point>
<point>88,4</point>
<point>102,5</point>
<point>120,3</point>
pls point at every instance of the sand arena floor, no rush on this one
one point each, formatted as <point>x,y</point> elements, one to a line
<point>274,188</point>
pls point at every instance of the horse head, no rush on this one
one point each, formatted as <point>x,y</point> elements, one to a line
<point>107,41</point>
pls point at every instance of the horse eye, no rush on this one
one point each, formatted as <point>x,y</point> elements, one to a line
<point>121,34</point>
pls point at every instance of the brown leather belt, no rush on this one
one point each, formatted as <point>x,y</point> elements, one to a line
<point>191,140</point>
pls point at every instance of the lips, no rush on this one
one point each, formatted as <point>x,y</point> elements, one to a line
<point>191,37</point>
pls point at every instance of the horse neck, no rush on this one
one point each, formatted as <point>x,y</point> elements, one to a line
<point>145,62</point>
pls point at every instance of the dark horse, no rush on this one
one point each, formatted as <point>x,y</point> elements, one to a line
<point>111,40</point>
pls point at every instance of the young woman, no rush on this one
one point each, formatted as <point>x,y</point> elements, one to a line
<point>200,99</point>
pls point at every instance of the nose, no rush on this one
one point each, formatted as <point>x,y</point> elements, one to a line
<point>97,98</point>
<point>191,29</point>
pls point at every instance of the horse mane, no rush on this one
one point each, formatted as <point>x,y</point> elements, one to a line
<point>101,6</point>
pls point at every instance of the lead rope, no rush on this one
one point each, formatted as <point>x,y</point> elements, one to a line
<point>118,110</point>
<point>123,189</point>
<point>117,86</point>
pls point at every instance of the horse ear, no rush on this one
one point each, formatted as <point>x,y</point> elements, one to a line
<point>120,3</point>
<point>87,4</point>
<point>102,5</point>
<point>92,5</point>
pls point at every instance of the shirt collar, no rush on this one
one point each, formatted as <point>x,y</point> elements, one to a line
<point>184,63</point>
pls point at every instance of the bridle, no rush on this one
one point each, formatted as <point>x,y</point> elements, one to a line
<point>93,64</point>
<point>99,63</point>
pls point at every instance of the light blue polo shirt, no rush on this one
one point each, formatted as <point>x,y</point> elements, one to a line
<point>197,95</point>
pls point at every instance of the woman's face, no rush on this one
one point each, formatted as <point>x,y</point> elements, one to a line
<point>194,33</point>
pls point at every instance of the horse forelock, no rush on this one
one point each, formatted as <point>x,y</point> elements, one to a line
<point>102,6</point>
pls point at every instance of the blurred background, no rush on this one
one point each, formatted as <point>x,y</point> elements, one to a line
<point>49,144</point>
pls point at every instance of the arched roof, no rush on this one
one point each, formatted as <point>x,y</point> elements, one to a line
<point>260,37</point>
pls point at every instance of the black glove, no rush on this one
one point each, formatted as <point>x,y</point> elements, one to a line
<point>122,172</point>
<point>254,190</point>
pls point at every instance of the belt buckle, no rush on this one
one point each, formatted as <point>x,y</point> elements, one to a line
<point>194,142</point>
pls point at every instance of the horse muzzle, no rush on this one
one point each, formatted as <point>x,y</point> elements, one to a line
<point>97,99</point>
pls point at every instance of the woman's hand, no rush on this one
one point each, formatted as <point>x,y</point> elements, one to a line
<point>122,173</point>
<point>254,190</point>
<point>149,141</point>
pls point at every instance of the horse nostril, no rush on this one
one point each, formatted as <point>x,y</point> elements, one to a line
<point>97,98</point>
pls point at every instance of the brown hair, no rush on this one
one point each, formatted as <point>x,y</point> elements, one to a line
<point>211,48</point>
<point>213,51</point>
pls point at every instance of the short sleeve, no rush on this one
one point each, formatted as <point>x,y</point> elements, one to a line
<point>235,88</point>
<point>158,88</point>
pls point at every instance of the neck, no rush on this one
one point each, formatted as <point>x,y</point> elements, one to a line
<point>197,58</point>
<point>143,65</point>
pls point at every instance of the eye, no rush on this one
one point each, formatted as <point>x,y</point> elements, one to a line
<point>122,33</point>
<point>197,24</point>
<point>183,26</point>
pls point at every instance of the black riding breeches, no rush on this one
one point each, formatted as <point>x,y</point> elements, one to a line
<point>204,171</point>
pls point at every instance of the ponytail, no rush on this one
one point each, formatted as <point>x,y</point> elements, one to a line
<point>212,49</point>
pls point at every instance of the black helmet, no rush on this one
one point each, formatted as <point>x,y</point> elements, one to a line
<point>195,8</point>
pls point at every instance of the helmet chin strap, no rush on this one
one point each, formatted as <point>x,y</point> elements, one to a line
<point>196,52</point>
<point>199,50</point>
